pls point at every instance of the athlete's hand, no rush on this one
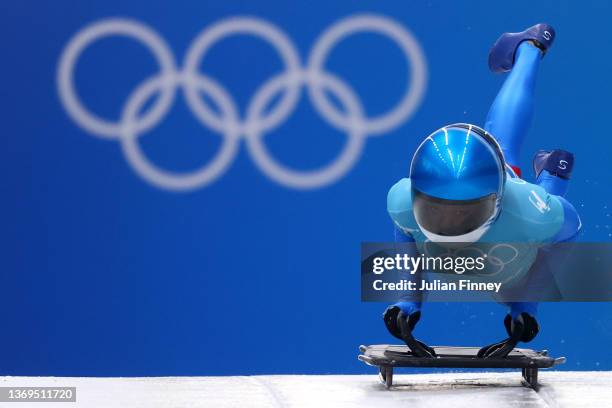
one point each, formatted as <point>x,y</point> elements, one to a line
<point>400,319</point>
<point>410,310</point>
<point>523,327</point>
<point>530,328</point>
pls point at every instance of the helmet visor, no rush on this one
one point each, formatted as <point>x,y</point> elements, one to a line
<point>452,217</point>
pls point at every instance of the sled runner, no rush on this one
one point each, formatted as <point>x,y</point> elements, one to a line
<point>386,357</point>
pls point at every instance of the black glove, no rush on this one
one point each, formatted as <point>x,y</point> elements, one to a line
<point>523,328</point>
<point>531,328</point>
<point>401,326</point>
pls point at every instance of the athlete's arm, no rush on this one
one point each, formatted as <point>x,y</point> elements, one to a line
<point>409,302</point>
<point>553,170</point>
<point>401,317</point>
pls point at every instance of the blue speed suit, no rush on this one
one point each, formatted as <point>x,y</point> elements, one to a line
<point>530,213</point>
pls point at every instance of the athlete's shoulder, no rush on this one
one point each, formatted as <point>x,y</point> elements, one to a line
<point>529,200</point>
<point>399,205</point>
<point>543,214</point>
<point>399,197</point>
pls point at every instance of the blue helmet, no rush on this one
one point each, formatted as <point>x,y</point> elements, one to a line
<point>458,175</point>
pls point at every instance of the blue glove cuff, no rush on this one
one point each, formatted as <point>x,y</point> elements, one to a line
<point>408,307</point>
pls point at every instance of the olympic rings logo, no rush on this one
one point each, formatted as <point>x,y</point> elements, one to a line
<point>498,256</point>
<point>257,121</point>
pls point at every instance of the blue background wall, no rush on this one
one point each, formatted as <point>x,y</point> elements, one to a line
<point>103,273</point>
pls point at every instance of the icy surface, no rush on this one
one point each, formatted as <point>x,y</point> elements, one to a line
<point>559,389</point>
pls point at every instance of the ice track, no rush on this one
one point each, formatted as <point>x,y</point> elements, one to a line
<point>473,390</point>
